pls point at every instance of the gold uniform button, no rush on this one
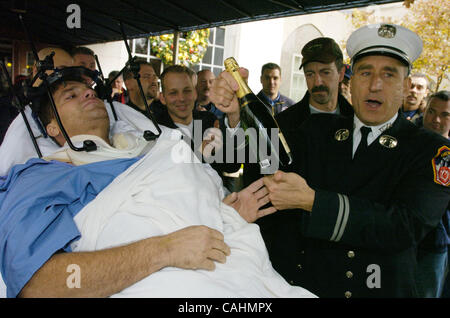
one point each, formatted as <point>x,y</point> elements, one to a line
<point>349,274</point>
<point>348,294</point>
<point>350,254</point>
<point>299,266</point>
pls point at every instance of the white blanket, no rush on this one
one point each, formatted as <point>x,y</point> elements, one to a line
<point>159,195</point>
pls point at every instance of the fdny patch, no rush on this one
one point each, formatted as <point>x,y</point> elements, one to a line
<point>441,166</point>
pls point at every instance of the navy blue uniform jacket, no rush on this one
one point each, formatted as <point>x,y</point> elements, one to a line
<point>369,213</point>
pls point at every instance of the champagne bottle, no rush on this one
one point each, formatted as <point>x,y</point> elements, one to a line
<point>255,114</point>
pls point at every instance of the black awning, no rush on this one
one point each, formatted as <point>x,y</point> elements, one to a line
<point>47,19</point>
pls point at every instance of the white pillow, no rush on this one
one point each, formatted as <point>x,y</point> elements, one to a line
<point>17,146</point>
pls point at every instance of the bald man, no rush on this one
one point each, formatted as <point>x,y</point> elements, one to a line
<point>205,79</point>
<point>61,59</point>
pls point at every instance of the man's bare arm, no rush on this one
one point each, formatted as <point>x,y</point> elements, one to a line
<point>106,272</point>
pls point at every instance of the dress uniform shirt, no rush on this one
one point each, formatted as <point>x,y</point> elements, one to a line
<point>373,135</point>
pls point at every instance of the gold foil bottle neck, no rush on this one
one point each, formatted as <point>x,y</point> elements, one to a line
<point>232,67</point>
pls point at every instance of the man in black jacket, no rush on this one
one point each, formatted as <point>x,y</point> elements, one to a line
<point>324,69</point>
<point>178,97</point>
<point>366,189</point>
<point>432,251</point>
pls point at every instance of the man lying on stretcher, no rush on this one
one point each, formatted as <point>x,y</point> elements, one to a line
<point>135,222</point>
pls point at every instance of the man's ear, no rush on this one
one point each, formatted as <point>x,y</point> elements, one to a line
<point>341,73</point>
<point>162,99</point>
<point>53,129</point>
<point>406,85</point>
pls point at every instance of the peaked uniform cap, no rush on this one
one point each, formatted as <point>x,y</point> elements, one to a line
<point>385,39</point>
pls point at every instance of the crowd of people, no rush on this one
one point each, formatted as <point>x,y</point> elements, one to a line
<point>363,211</point>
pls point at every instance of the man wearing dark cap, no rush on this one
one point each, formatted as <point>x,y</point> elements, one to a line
<point>324,69</point>
<point>367,188</point>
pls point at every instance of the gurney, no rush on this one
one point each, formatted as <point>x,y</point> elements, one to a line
<point>165,191</point>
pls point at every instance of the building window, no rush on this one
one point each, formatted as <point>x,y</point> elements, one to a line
<point>298,80</point>
<point>214,56</point>
<point>141,48</point>
<point>212,60</point>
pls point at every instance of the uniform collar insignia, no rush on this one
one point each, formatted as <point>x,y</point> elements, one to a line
<point>385,127</point>
<point>388,141</point>
<point>342,134</point>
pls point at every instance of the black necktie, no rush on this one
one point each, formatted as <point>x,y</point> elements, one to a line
<point>363,143</point>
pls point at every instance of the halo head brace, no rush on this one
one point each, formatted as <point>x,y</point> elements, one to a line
<point>38,96</point>
<point>43,108</point>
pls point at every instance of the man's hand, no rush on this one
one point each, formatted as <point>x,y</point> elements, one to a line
<point>289,191</point>
<point>195,247</point>
<point>212,142</point>
<point>249,201</point>
<point>223,95</point>
<point>115,91</point>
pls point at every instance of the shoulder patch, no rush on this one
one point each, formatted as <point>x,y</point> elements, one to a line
<point>441,166</point>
